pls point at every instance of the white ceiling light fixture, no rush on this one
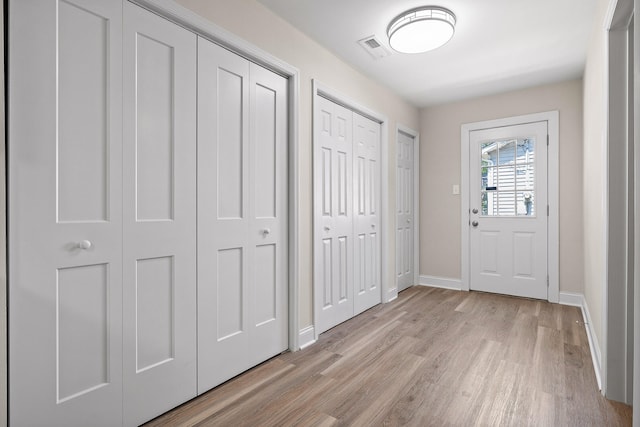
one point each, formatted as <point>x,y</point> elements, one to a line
<point>421,29</point>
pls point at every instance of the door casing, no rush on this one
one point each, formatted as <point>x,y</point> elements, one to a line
<point>553,243</point>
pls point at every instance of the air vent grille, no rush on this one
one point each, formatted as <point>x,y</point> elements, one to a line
<point>373,47</point>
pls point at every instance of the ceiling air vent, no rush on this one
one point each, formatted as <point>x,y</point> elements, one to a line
<point>373,47</point>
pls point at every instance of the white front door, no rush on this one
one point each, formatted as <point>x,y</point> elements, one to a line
<point>159,205</point>
<point>366,209</point>
<point>242,214</point>
<point>333,214</point>
<point>508,210</point>
<point>404,214</point>
<point>65,213</point>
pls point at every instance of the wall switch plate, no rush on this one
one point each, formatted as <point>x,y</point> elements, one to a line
<point>456,189</point>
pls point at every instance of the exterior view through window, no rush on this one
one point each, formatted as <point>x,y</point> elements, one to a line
<point>508,177</point>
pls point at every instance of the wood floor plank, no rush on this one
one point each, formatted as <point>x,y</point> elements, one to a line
<point>433,357</point>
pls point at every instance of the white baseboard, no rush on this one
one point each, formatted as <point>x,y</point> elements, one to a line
<point>306,337</point>
<point>578,300</point>
<point>572,299</point>
<point>441,282</point>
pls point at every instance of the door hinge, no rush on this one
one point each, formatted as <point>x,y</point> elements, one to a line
<point>547,140</point>
<point>547,210</point>
<point>547,280</point>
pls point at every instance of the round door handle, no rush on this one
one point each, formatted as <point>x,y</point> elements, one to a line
<point>474,223</point>
<point>408,220</point>
<point>373,226</point>
<point>327,228</point>
<point>266,231</point>
<point>475,211</point>
<point>84,245</point>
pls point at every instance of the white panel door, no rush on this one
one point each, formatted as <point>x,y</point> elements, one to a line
<point>65,218</point>
<point>333,214</point>
<point>404,215</point>
<point>366,213</point>
<point>159,255</point>
<point>508,218</point>
<point>242,215</point>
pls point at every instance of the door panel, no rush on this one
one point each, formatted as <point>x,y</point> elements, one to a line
<point>366,221</point>
<point>508,199</point>
<point>333,223</point>
<point>65,220</point>
<point>159,247</point>
<point>404,212</point>
<point>242,220</point>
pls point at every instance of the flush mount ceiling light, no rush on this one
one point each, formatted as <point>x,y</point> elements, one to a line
<point>421,29</point>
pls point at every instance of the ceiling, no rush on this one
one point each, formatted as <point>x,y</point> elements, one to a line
<point>499,45</point>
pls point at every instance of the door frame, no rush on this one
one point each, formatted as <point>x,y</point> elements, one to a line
<point>400,128</point>
<point>553,232</point>
<point>617,340</point>
<point>188,19</point>
<point>388,292</point>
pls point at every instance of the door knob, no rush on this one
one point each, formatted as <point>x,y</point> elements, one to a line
<point>373,226</point>
<point>408,220</point>
<point>327,228</point>
<point>475,211</point>
<point>84,245</point>
<point>266,231</point>
<point>474,223</point>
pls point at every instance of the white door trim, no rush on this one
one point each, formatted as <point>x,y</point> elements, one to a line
<point>170,10</point>
<point>617,350</point>
<point>553,254</point>
<point>416,199</point>
<point>389,291</point>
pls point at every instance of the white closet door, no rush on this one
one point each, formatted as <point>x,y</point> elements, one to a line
<point>268,291</point>
<point>404,215</point>
<point>366,213</point>
<point>65,221</point>
<point>159,255</point>
<point>333,214</point>
<point>242,164</point>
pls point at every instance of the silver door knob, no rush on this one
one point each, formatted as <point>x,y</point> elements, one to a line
<point>373,226</point>
<point>475,211</point>
<point>84,245</point>
<point>474,223</point>
<point>266,231</point>
<point>327,228</point>
<point>408,220</point>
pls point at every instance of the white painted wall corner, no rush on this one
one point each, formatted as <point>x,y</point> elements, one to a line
<point>440,282</point>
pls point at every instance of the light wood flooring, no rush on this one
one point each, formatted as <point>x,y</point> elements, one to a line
<point>433,357</point>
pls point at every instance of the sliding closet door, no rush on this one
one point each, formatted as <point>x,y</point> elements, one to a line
<point>242,208</point>
<point>366,213</point>
<point>159,245</point>
<point>333,214</point>
<point>65,220</point>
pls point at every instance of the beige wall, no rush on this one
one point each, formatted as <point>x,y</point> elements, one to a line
<point>440,234</point>
<point>256,24</point>
<point>595,173</point>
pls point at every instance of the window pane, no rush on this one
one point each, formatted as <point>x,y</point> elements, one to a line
<point>507,152</point>
<point>506,203</point>
<point>526,150</point>
<point>506,178</point>
<point>526,203</point>
<point>525,177</point>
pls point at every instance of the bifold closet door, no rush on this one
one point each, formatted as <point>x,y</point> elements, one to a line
<point>366,211</point>
<point>333,214</point>
<point>159,244</point>
<point>65,213</point>
<point>242,214</point>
